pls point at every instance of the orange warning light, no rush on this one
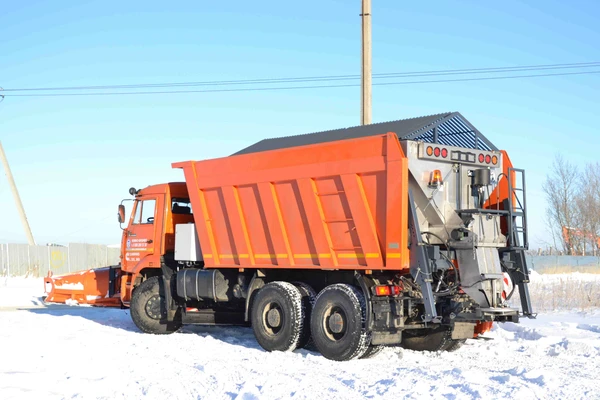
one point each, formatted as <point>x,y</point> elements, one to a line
<point>436,178</point>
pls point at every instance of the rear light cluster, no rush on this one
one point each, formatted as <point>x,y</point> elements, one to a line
<point>441,152</point>
<point>488,159</point>
<point>387,290</point>
<point>437,152</point>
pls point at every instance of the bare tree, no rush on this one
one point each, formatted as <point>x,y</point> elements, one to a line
<point>561,188</point>
<point>588,204</point>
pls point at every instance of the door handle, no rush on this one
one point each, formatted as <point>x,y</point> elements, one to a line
<point>149,241</point>
<point>131,234</point>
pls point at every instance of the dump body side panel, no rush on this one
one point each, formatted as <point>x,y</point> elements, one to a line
<point>336,205</point>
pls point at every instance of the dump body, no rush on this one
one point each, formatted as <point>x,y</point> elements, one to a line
<point>336,205</point>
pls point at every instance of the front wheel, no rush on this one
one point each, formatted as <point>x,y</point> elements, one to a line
<point>149,308</point>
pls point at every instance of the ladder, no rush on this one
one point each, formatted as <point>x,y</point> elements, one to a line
<point>517,216</point>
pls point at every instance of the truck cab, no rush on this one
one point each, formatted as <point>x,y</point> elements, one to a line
<point>149,238</point>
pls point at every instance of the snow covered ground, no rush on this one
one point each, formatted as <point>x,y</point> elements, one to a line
<point>58,352</point>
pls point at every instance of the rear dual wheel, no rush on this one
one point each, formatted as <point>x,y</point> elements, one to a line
<point>309,297</point>
<point>372,351</point>
<point>431,340</point>
<point>287,316</point>
<point>338,323</point>
<point>278,317</point>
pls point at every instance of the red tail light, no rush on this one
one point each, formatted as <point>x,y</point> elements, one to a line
<point>488,159</point>
<point>444,153</point>
<point>436,152</point>
<point>387,290</point>
<point>481,158</point>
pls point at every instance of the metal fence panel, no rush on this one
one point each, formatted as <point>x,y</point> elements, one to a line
<point>36,261</point>
<point>545,264</point>
<point>3,260</point>
<point>114,256</point>
<point>85,256</point>
<point>58,259</point>
<point>25,260</point>
<point>39,260</point>
<point>18,259</point>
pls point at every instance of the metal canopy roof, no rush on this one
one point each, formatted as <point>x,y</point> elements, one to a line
<point>450,129</point>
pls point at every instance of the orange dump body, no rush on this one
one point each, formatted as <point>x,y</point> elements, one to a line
<point>86,287</point>
<point>335,205</point>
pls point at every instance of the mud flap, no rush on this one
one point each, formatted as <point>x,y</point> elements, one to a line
<point>463,330</point>
<point>173,309</point>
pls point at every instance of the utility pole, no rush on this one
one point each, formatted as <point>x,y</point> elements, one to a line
<point>365,109</point>
<point>15,192</point>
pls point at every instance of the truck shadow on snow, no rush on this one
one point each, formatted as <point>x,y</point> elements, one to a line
<point>120,319</point>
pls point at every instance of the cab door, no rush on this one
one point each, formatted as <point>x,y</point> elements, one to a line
<point>140,236</point>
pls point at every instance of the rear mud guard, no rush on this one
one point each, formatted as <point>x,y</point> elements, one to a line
<point>362,282</point>
<point>169,285</point>
<point>255,284</point>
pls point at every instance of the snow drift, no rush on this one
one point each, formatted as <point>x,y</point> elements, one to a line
<point>60,352</point>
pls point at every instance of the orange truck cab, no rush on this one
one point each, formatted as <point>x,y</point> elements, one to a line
<point>149,239</point>
<point>409,233</point>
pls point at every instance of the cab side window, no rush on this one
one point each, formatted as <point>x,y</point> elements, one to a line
<point>144,212</point>
<point>181,206</point>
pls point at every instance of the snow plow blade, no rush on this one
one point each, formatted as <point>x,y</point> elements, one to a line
<point>94,287</point>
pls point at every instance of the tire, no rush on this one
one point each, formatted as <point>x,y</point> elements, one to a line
<point>455,344</point>
<point>428,340</point>
<point>308,301</point>
<point>345,337</point>
<point>372,351</point>
<point>277,316</point>
<point>149,310</point>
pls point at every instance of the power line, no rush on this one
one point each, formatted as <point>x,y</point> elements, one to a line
<point>301,87</point>
<point>305,79</point>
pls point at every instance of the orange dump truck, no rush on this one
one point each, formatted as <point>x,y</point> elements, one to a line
<point>408,233</point>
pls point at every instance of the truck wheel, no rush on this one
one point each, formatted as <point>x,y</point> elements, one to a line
<point>372,351</point>
<point>277,316</point>
<point>454,344</point>
<point>308,301</point>
<point>430,340</point>
<point>337,324</point>
<point>149,309</point>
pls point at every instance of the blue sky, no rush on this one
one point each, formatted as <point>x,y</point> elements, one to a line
<point>74,158</point>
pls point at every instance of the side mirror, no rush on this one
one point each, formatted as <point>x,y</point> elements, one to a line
<point>121,213</point>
